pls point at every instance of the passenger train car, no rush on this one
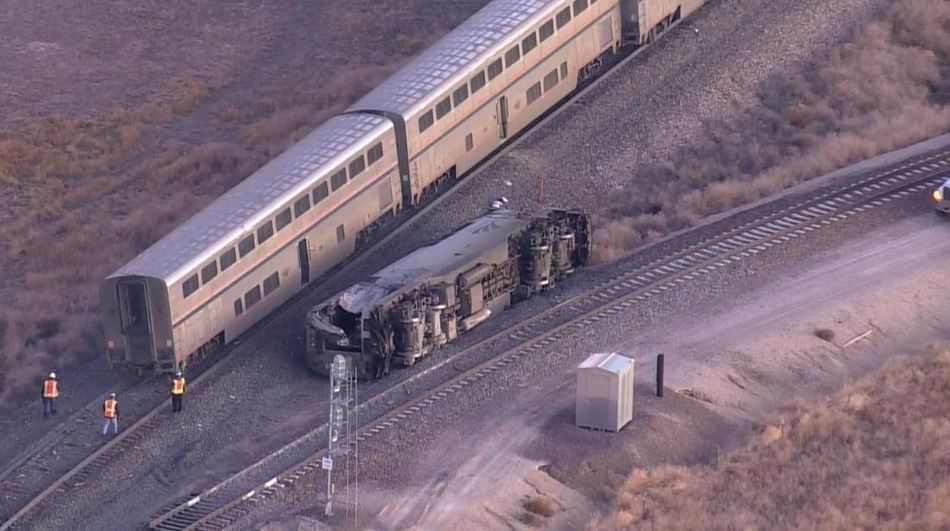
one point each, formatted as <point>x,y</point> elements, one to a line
<point>397,147</point>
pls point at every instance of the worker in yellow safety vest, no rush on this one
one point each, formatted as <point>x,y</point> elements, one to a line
<point>110,409</point>
<point>50,394</point>
<point>178,391</point>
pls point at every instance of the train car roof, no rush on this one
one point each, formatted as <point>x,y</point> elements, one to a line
<point>463,247</point>
<point>454,57</point>
<point>256,198</point>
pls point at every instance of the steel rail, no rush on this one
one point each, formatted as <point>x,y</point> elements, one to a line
<point>231,499</point>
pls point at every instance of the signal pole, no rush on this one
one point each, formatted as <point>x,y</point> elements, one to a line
<point>342,444</point>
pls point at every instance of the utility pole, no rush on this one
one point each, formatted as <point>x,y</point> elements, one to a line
<point>342,447</point>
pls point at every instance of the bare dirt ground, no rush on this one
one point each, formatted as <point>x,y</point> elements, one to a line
<point>516,460</point>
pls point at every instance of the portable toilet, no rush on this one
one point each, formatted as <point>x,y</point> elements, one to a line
<point>604,392</point>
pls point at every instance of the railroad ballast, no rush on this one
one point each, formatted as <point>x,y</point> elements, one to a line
<point>429,297</point>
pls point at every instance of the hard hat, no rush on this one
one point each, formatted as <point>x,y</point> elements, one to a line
<point>52,375</point>
<point>111,395</point>
<point>178,374</point>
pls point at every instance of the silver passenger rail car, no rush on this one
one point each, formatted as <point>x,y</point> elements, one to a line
<point>496,73</point>
<point>254,247</point>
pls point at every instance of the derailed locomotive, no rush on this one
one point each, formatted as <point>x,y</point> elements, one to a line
<point>429,297</point>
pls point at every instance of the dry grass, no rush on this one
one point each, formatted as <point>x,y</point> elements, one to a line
<point>541,506</point>
<point>888,88</point>
<point>874,456</point>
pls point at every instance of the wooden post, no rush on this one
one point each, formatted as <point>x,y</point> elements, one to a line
<point>659,375</point>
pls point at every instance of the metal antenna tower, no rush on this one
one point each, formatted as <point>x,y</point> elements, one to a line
<point>342,447</point>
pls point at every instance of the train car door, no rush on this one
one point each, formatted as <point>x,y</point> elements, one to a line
<point>501,113</point>
<point>136,322</point>
<point>304,255</point>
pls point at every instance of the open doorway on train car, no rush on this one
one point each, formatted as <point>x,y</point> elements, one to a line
<point>304,256</point>
<point>501,113</point>
<point>136,325</point>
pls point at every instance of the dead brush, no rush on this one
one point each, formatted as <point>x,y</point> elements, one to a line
<point>873,455</point>
<point>807,124</point>
<point>540,505</point>
<point>825,334</point>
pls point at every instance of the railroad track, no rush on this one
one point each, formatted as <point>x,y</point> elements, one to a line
<point>230,500</point>
<point>142,428</point>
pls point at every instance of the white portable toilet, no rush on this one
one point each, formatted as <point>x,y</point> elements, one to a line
<point>604,392</point>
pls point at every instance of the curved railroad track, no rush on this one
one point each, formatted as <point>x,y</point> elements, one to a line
<point>30,461</point>
<point>230,500</point>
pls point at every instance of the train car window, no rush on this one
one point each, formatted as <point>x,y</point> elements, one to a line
<point>265,231</point>
<point>550,80</point>
<point>534,92</point>
<point>252,297</point>
<point>564,70</point>
<point>460,95</point>
<point>494,69</point>
<point>246,246</point>
<point>340,234</point>
<point>338,179</point>
<point>512,56</point>
<point>375,153</point>
<point>228,258</point>
<point>443,107</point>
<point>426,121</point>
<point>208,272</point>
<point>300,206</point>
<point>469,142</point>
<point>238,307</point>
<point>271,283</point>
<point>190,285</point>
<point>529,43</point>
<point>563,17</point>
<point>478,81</point>
<point>546,30</point>
<point>283,219</point>
<point>357,166</point>
<point>321,192</point>
<point>579,6</point>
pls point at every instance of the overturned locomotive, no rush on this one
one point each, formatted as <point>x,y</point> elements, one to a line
<point>427,298</point>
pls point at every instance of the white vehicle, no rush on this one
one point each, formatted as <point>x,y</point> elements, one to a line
<point>942,197</point>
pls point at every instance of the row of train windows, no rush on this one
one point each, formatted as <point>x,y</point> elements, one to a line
<point>550,81</point>
<point>495,68</point>
<point>253,296</point>
<point>269,228</point>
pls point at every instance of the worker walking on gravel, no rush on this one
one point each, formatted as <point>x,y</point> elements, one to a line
<point>178,391</point>
<point>110,408</point>
<point>50,394</point>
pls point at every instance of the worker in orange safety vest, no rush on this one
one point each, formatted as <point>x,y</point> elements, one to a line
<point>178,391</point>
<point>110,409</point>
<point>50,394</point>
